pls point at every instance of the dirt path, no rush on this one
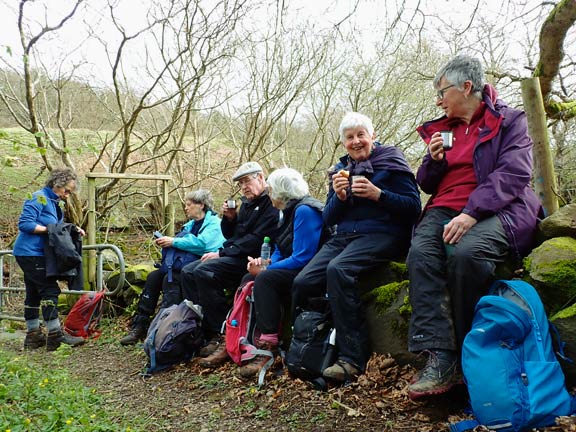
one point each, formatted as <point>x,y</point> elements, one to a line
<point>189,398</point>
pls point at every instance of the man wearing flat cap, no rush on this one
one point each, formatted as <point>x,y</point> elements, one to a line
<point>205,281</point>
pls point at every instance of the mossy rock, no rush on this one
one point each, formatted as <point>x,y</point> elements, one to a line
<point>565,322</point>
<point>134,274</point>
<point>388,316</point>
<point>561,223</point>
<point>551,268</point>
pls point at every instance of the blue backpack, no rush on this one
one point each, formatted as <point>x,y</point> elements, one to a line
<point>514,379</point>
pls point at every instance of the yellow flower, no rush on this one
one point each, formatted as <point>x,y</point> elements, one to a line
<point>69,421</point>
<point>27,421</point>
<point>46,380</point>
<point>93,416</point>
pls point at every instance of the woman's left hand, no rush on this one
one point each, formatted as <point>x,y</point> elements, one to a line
<point>457,227</point>
<point>254,266</point>
<point>364,188</point>
<point>165,241</point>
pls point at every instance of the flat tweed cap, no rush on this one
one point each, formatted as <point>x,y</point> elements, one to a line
<point>247,168</point>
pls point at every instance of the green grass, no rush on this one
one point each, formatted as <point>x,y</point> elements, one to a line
<point>33,399</point>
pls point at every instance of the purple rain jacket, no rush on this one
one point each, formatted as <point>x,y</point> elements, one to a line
<point>503,166</point>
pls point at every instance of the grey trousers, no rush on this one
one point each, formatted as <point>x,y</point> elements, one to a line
<point>447,282</point>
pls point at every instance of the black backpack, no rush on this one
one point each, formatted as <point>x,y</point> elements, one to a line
<point>174,336</point>
<point>312,348</point>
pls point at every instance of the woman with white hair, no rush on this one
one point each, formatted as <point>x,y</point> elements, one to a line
<point>295,242</point>
<point>373,200</point>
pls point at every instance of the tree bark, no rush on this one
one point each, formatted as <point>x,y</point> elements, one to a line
<point>544,177</point>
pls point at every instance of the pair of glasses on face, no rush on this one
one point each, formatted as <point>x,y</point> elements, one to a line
<point>440,93</point>
<point>246,180</point>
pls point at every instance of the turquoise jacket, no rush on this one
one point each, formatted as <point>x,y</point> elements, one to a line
<point>209,238</point>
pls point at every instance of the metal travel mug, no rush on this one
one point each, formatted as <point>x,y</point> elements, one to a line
<point>231,203</point>
<point>447,138</point>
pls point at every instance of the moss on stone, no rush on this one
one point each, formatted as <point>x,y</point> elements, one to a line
<point>569,312</point>
<point>384,296</point>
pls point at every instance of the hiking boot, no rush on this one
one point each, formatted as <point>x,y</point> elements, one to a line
<point>212,346</point>
<point>438,376</point>
<point>254,366</point>
<point>341,371</point>
<point>135,335</point>
<point>58,337</point>
<point>217,358</point>
<point>34,339</point>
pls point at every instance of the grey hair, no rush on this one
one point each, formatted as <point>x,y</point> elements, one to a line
<point>287,184</point>
<point>460,69</point>
<point>201,196</point>
<point>60,177</point>
<point>353,120</point>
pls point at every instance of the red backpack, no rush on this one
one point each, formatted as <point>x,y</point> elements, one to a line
<point>85,315</point>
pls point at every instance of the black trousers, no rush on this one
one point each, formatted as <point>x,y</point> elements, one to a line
<point>40,290</point>
<point>272,295</point>
<point>156,284</point>
<point>206,283</point>
<point>335,270</point>
<point>447,282</point>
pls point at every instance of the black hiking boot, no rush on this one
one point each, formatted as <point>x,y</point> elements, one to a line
<point>58,337</point>
<point>34,339</point>
<point>438,376</point>
<point>135,335</point>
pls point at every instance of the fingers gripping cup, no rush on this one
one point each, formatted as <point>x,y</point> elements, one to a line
<point>447,138</point>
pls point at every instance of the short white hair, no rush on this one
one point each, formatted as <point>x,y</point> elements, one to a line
<point>287,184</point>
<point>353,120</point>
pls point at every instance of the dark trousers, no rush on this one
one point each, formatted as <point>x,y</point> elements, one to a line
<point>335,270</point>
<point>446,282</point>
<point>40,290</point>
<point>156,284</point>
<point>272,289</point>
<point>206,283</point>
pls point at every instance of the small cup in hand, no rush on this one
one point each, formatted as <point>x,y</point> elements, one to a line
<point>447,139</point>
<point>231,203</point>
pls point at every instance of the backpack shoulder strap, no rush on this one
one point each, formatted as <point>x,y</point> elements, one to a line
<point>464,425</point>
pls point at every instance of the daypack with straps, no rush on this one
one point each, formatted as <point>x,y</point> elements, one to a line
<point>241,332</point>
<point>85,315</point>
<point>514,379</point>
<point>313,347</point>
<point>174,259</point>
<point>174,336</point>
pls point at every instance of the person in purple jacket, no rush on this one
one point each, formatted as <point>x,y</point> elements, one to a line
<point>296,240</point>
<point>482,210</point>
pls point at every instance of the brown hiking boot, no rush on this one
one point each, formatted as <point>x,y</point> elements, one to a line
<point>217,358</point>
<point>212,346</point>
<point>58,337</point>
<point>34,339</point>
<point>341,371</point>
<point>253,367</point>
<point>438,376</point>
<point>135,335</point>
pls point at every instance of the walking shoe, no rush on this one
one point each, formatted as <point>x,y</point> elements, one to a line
<point>438,376</point>
<point>135,335</point>
<point>34,339</point>
<point>211,346</point>
<point>254,366</point>
<point>341,371</point>
<point>217,358</point>
<point>58,337</point>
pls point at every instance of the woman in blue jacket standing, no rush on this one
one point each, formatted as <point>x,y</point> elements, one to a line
<point>44,208</point>
<point>373,201</point>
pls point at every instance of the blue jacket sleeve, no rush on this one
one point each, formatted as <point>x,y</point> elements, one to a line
<point>307,232</point>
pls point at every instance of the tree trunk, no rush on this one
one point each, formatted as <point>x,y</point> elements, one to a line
<point>544,176</point>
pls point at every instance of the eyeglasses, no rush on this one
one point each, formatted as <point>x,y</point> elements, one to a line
<point>246,180</point>
<point>440,93</point>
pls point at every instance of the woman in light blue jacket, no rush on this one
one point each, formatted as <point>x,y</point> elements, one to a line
<point>201,234</point>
